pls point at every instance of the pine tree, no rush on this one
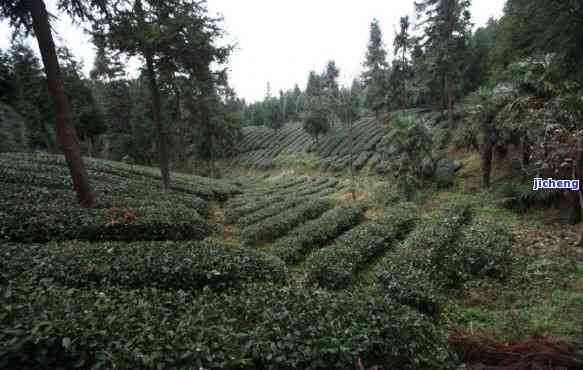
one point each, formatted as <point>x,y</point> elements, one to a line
<point>172,37</point>
<point>447,26</point>
<point>316,117</point>
<point>33,15</point>
<point>401,66</point>
<point>374,75</point>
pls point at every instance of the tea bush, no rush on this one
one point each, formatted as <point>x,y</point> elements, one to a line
<point>258,327</point>
<point>234,211</point>
<point>279,225</point>
<point>316,233</point>
<point>411,274</point>
<point>335,266</point>
<point>162,265</point>
<point>271,209</point>
<point>484,250</point>
<point>33,214</point>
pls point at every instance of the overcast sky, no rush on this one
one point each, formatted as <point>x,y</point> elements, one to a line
<point>281,41</point>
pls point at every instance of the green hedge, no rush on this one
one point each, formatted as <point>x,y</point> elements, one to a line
<point>410,275</point>
<point>327,183</point>
<point>316,233</point>
<point>201,186</point>
<point>484,250</point>
<point>335,267</point>
<point>407,276</point>
<point>259,327</point>
<point>162,265</point>
<point>29,214</point>
<point>270,209</point>
<point>249,206</point>
<point>279,225</point>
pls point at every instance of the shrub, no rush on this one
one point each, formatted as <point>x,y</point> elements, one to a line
<point>411,275</point>
<point>316,233</point>
<point>277,226</point>
<point>441,228</point>
<point>162,265</point>
<point>334,267</point>
<point>484,250</point>
<point>321,185</point>
<point>305,161</point>
<point>234,212</point>
<point>259,327</point>
<point>201,186</point>
<point>519,196</point>
<point>32,214</point>
<point>271,209</point>
<point>407,276</point>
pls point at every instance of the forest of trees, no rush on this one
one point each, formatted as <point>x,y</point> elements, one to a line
<point>180,109</point>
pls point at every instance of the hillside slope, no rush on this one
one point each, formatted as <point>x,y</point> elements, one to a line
<point>261,145</point>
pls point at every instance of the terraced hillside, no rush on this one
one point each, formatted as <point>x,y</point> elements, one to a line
<point>261,145</point>
<point>271,272</point>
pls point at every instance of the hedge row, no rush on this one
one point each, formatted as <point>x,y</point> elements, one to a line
<point>38,215</point>
<point>279,225</point>
<point>271,210</point>
<point>316,233</point>
<point>335,267</point>
<point>258,327</point>
<point>25,171</point>
<point>162,265</point>
<point>409,275</point>
<point>484,250</point>
<point>316,188</point>
<point>204,187</point>
<point>235,210</point>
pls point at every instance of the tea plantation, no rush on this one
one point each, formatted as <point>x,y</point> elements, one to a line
<point>250,273</point>
<point>262,146</point>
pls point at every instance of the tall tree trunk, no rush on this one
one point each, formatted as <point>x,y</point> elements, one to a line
<point>525,152</point>
<point>450,101</point>
<point>351,138</point>
<point>89,146</point>
<point>64,124</point>
<point>157,113</point>
<point>487,163</point>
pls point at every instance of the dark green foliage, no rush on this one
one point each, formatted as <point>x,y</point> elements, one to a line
<point>271,209</point>
<point>375,75</point>
<point>37,205</point>
<point>484,250</point>
<point>161,265</point>
<point>335,266</point>
<point>407,146</point>
<point>316,233</point>
<point>441,228</point>
<point>532,27</point>
<point>520,196</point>
<point>13,135</point>
<point>202,186</point>
<point>316,122</point>
<point>249,206</point>
<point>406,276</point>
<point>258,327</point>
<point>33,214</point>
<point>412,274</point>
<point>279,225</point>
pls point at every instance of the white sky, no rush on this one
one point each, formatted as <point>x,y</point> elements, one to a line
<point>281,41</point>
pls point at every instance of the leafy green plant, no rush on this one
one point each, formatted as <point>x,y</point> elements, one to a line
<point>316,233</point>
<point>408,275</point>
<point>161,265</point>
<point>279,225</point>
<point>258,326</point>
<point>335,266</point>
